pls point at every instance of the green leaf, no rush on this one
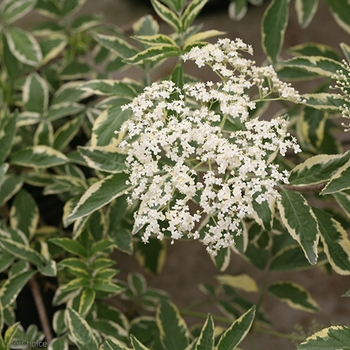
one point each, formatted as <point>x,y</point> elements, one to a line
<point>339,180</point>
<point>100,194</point>
<point>174,334</point>
<point>13,286</point>
<point>320,65</point>
<point>13,10</point>
<point>65,134</point>
<point>237,9</point>
<point>9,186</point>
<point>168,15</point>
<point>63,109</point>
<point>155,54</point>
<point>80,331</point>
<point>10,62</point>
<point>105,158</point>
<point>191,12</point>
<point>35,94</point>
<point>110,344</point>
<point>305,11</point>
<point>274,24</point>
<point>292,258</point>
<point>24,213</point>
<point>151,256</point>
<point>70,245</point>
<point>335,241</point>
<point>314,49</point>
<point>243,282</point>
<point>86,301</point>
<point>294,295</point>
<point>7,132</point>
<point>332,338</point>
<point>340,10</point>
<point>117,45</point>
<point>318,169</point>
<point>300,221</point>
<point>23,46</point>
<point>237,332</point>
<point>205,340</point>
<point>38,157</point>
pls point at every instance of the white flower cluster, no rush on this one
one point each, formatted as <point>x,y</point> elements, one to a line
<point>342,78</point>
<point>194,154</point>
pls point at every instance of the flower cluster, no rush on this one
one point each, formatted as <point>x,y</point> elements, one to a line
<point>195,158</point>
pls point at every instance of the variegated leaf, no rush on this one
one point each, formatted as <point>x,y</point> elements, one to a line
<point>35,94</point>
<point>66,133</point>
<point>331,338</point>
<point>191,12</point>
<point>39,157</point>
<point>146,25</point>
<point>109,87</point>
<point>87,299</point>
<point>335,242</point>
<point>274,24</point>
<point>23,46</point>
<point>105,158</point>
<point>340,10</point>
<point>80,331</point>
<point>346,50</point>
<point>294,295</point>
<point>44,134</point>
<point>314,49</point>
<point>86,22</point>
<point>199,37</point>
<point>155,54</point>
<point>51,47</point>
<point>3,169</point>
<point>75,70</point>
<point>300,221</point>
<point>343,199</point>
<point>237,9</point>
<point>167,15</point>
<point>173,331</point>
<point>7,132</point>
<point>305,11</point>
<point>320,65</point>
<point>205,340</point>
<point>325,101</point>
<point>117,45</point>
<point>237,331</point>
<point>100,194</point>
<point>24,213</point>
<point>69,93</point>
<point>339,180</point>
<point>9,186</point>
<point>137,345</point>
<point>155,40</point>
<point>11,10</point>
<point>318,169</point>
<point>63,109</point>
<point>222,259</point>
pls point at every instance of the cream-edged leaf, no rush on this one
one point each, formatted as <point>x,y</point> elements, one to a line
<point>243,282</point>
<point>305,11</point>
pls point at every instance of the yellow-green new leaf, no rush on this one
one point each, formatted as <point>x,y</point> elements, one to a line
<point>243,282</point>
<point>237,332</point>
<point>23,46</point>
<point>300,221</point>
<point>274,24</point>
<point>174,334</point>
<point>318,169</point>
<point>296,296</point>
<point>100,194</point>
<point>306,10</point>
<point>86,301</point>
<point>11,10</point>
<point>39,157</point>
<point>332,338</point>
<point>80,331</point>
<point>335,241</point>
